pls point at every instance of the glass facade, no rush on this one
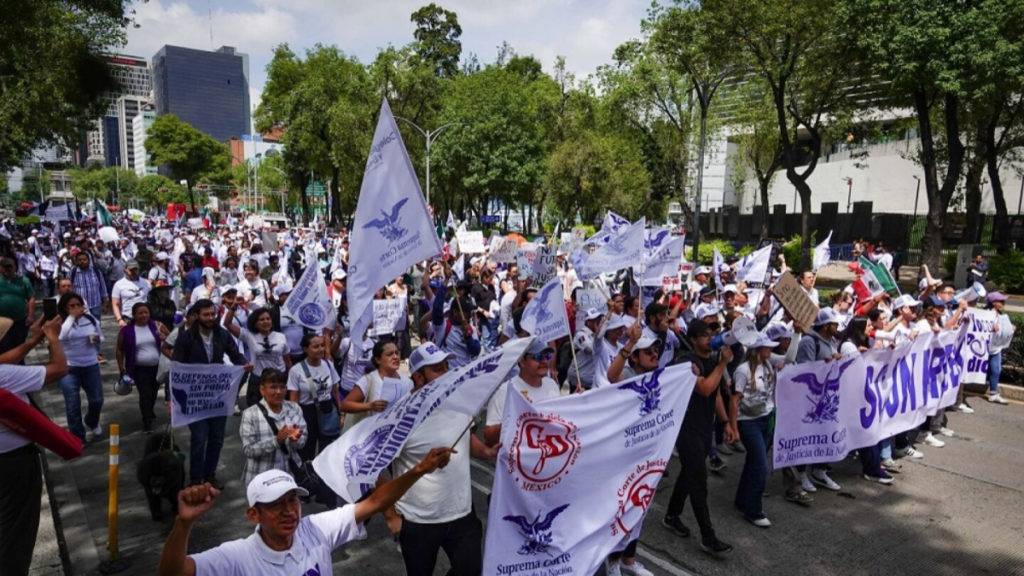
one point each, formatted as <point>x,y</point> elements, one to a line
<point>209,90</point>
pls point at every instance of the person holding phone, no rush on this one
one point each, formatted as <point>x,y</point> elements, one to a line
<point>81,337</point>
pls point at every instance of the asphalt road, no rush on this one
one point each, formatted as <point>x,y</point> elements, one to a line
<point>960,510</point>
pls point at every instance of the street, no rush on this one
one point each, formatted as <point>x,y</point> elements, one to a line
<point>957,511</point>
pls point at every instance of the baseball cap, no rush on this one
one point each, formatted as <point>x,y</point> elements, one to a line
<point>593,314</point>
<point>161,255</point>
<point>778,331</point>
<point>209,273</point>
<point>704,310</point>
<point>905,300</point>
<point>647,339</point>
<point>131,264</point>
<point>826,316</point>
<point>426,355</point>
<point>616,321</point>
<point>538,346</point>
<point>268,486</point>
<point>338,274</point>
<point>995,297</point>
<point>702,270</point>
<point>763,341</point>
<point>282,288</point>
<point>729,288</point>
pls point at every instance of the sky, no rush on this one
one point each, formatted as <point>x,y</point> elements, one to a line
<point>584,31</point>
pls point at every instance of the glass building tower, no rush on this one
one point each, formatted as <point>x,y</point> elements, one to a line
<point>209,90</point>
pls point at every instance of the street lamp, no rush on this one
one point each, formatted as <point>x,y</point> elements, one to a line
<point>430,136</point>
<point>849,192</point>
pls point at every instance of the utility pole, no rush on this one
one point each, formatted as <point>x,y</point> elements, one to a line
<point>429,136</point>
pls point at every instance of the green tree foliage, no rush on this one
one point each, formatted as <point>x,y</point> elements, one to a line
<point>437,39</point>
<point>158,191</point>
<point>52,69</point>
<point>188,153</point>
<point>104,183</point>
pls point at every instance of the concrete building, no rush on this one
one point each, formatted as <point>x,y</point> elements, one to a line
<point>134,80</point>
<point>248,146</point>
<point>140,157</point>
<point>128,107</point>
<point>208,90</point>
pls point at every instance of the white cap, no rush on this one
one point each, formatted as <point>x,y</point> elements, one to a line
<point>763,341</point>
<point>616,321</point>
<point>826,316</point>
<point>161,255</point>
<point>704,310</point>
<point>268,486</point>
<point>209,273</point>
<point>426,355</point>
<point>338,274</point>
<point>647,339</point>
<point>905,300</point>
<point>778,331</point>
<point>702,270</point>
<point>729,288</point>
<point>592,314</point>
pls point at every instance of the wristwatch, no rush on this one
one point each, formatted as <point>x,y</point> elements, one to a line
<point>625,353</point>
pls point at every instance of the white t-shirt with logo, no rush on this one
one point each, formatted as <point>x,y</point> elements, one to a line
<point>315,538</point>
<point>445,494</point>
<point>265,351</point>
<point>496,407</point>
<point>129,292</point>
<point>321,377</point>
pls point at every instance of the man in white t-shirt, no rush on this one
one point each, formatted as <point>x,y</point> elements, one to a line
<point>127,292</point>
<point>533,383</point>
<point>284,542</point>
<point>437,513</point>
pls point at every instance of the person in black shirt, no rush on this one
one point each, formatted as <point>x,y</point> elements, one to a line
<point>695,437</point>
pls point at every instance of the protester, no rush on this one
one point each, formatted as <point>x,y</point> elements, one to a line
<point>1002,336</point>
<point>17,302</point>
<point>533,383</point>
<point>266,349</point>
<point>128,291</point>
<point>81,336</point>
<point>272,430</point>
<point>313,384</point>
<point>138,358</point>
<point>379,388</point>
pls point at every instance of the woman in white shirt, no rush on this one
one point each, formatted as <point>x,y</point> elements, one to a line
<point>379,388</point>
<point>266,348</point>
<point>81,337</point>
<point>138,356</point>
<point>313,383</point>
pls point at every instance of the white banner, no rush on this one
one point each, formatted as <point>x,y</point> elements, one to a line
<point>201,391</point>
<point>308,303</point>
<point>389,316</point>
<point>822,253</point>
<point>979,334</point>
<point>826,409</point>
<point>623,250</point>
<point>350,465</point>
<point>392,229</point>
<point>470,241</point>
<point>545,316</point>
<point>664,262</point>
<point>576,474</point>
<point>754,268</point>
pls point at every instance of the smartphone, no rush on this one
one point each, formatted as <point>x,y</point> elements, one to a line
<point>49,309</point>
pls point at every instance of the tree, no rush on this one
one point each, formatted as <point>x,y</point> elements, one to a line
<point>189,154</point>
<point>111,184</point>
<point>159,191</point>
<point>437,39</point>
<point>759,148</point>
<point>53,70</point>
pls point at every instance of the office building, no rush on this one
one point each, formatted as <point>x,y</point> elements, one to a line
<point>128,107</point>
<point>208,90</point>
<point>142,164</point>
<point>134,80</point>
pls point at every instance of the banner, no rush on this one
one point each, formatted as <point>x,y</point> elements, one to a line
<point>613,222</point>
<point>622,250</point>
<point>664,262</point>
<point>576,474</point>
<point>470,241</point>
<point>308,303</point>
<point>755,267</point>
<point>822,253</point>
<point>545,316</point>
<point>392,228</point>
<point>389,316</point>
<point>825,409</point>
<point>350,465</point>
<point>201,391</point>
<point>979,333</point>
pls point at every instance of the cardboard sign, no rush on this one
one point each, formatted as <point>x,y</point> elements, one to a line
<point>795,301</point>
<point>543,266</point>
<point>388,316</point>
<point>470,241</point>
<point>525,255</point>
<point>503,250</point>
<point>269,240</point>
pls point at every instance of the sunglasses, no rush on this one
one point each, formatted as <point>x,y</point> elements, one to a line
<point>542,356</point>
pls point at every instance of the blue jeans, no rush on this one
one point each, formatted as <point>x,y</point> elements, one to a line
<point>82,378</point>
<point>206,440</point>
<point>995,370</point>
<point>750,491</point>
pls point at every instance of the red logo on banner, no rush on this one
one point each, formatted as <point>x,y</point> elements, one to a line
<point>544,449</point>
<point>636,494</point>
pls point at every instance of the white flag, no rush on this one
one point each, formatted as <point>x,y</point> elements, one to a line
<point>622,250</point>
<point>822,253</point>
<point>613,222</point>
<point>576,475</point>
<point>309,303</point>
<point>717,265</point>
<point>451,221</point>
<point>350,465</point>
<point>545,315</point>
<point>392,229</point>
<point>664,262</point>
<point>753,268</point>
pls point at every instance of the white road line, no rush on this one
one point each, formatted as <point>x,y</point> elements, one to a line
<point>665,565</point>
<point>482,467</point>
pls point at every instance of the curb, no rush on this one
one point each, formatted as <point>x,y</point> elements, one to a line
<point>1010,392</point>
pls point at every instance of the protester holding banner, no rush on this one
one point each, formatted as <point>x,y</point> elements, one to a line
<point>818,344</point>
<point>206,343</point>
<point>272,429</point>
<point>313,384</point>
<point>584,341</point>
<point>533,383</point>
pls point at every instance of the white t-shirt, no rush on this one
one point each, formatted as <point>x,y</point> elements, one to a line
<point>604,353</point>
<point>146,353</point>
<point>760,389</point>
<point>322,377</point>
<point>496,407</point>
<point>315,538</point>
<point>265,351</point>
<point>129,292</point>
<point>391,390</point>
<point>19,380</point>
<point>254,293</point>
<point>444,494</point>
<point>81,339</point>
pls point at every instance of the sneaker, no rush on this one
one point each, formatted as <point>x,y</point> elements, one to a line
<point>802,498</point>
<point>612,568</point>
<point>94,434</point>
<point>820,477</point>
<point>805,483</point>
<point>723,449</point>
<point>636,568</point>
<point>762,522</point>
<point>714,546</point>
<point>716,465</point>
<point>946,432</point>
<point>965,408</point>
<point>932,441</point>
<point>914,453</point>
<point>884,478</point>
<point>891,466</point>
<point>737,447</point>
<point>676,525</point>
<point>997,399</point>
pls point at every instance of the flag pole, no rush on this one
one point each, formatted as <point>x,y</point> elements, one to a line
<point>579,383</point>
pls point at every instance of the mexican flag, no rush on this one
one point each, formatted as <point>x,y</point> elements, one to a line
<point>103,217</point>
<point>874,280</point>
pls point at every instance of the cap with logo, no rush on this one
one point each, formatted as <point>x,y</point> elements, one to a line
<point>426,355</point>
<point>268,486</point>
<point>905,300</point>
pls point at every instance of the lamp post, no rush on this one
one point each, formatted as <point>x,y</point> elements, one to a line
<point>849,192</point>
<point>429,136</point>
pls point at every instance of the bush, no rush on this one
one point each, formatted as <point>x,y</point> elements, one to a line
<point>949,265</point>
<point>791,250</point>
<point>745,250</point>
<point>707,251</point>
<point>1014,354</point>
<point>1007,271</point>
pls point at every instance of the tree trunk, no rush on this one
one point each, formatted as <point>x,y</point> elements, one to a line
<point>931,243</point>
<point>304,183</point>
<point>191,197</point>
<point>972,188</point>
<point>1001,226</point>
<point>333,190</point>
<point>764,184</point>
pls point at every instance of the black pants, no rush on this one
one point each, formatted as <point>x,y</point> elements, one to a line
<point>628,552</point>
<point>311,412</point>
<point>145,381</point>
<point>692,481</point>
<point>461,540</point>
<point>21,490</point>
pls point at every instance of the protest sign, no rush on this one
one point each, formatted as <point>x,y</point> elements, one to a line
<point>576,475</point>
<point>543,266</point>
<point>979,333</point>
<point>201,391</point>
<point>545,316</point>
<point>389,316</point>
<point>470,241</point>
<point>351,464</point>
<point>269,240</point>
<point>795,300</point>
<point>503,250</point>
<point>525,255</point>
